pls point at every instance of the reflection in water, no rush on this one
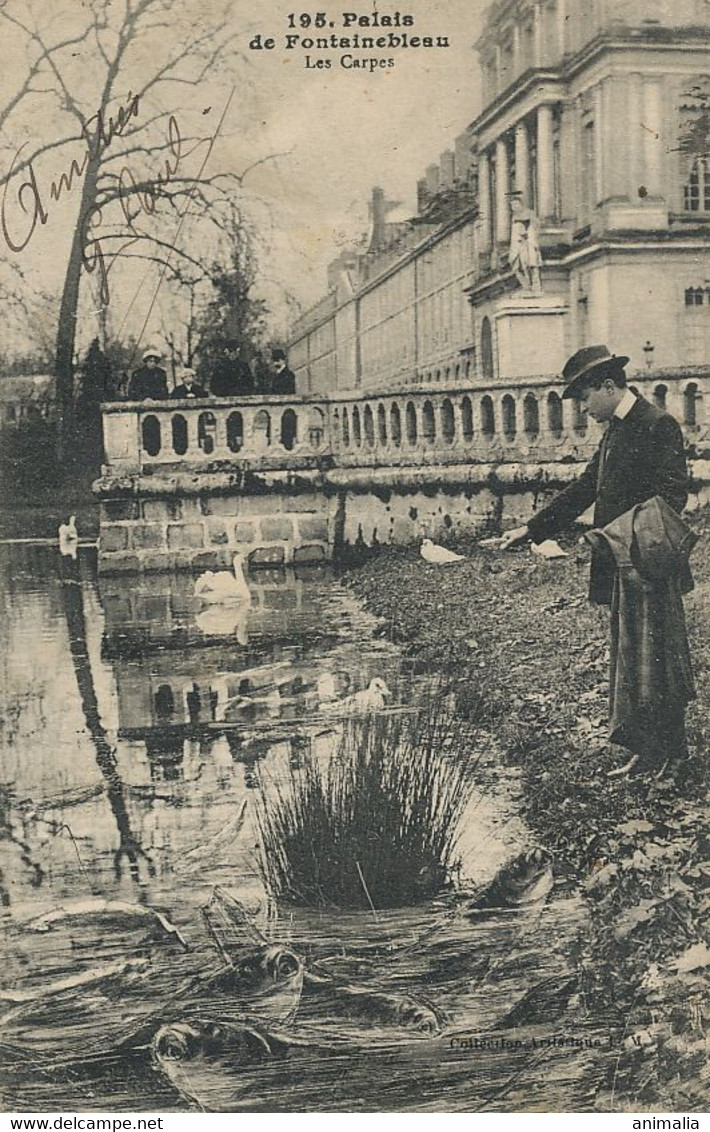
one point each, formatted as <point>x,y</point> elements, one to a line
<point>144,729</point>
<point>129,849</point>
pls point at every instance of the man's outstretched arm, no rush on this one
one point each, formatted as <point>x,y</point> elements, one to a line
<point>566,506</point>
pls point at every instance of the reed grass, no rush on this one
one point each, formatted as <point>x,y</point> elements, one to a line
<point>376,824</point>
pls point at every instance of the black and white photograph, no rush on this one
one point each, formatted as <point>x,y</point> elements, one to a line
<point>354,585</point>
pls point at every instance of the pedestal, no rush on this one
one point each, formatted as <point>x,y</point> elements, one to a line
<point>530,335</point>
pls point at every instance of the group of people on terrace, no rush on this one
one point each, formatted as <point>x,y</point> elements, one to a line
<point>231,376</point>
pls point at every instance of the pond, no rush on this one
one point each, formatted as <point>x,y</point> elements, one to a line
<point>139,727</point>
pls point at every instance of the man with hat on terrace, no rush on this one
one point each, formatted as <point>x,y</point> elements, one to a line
<point>640,458</point>
<point>283,380</point>
<point>149,381</point>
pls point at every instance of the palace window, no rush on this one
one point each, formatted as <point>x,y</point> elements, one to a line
<point>486,348</point>
<point>695,296</point>
<point>696,191</point>
<point>588,180</point>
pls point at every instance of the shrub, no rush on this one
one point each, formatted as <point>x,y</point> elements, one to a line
<point>376,824</point>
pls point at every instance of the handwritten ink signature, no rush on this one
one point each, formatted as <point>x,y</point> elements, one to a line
<point>136,195</point>
<point>29,195</point>
<point>144,193</point>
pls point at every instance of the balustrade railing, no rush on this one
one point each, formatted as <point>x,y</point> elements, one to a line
<point>422,425</point>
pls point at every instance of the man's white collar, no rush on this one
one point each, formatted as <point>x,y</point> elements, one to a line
<point>625,405</point>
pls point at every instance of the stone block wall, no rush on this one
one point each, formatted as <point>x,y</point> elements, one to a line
<point>205,531</point>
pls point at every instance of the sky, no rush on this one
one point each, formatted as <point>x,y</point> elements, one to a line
<point>316,140</point>
<point>342,132</point>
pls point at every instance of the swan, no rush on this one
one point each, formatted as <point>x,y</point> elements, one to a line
<point>222,586</point>
<point>361,703</point>
<point>215,620</point>
<point>438,555</point>
<point>68,536</point>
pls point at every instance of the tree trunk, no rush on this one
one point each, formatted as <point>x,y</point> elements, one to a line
<point>66,330</point>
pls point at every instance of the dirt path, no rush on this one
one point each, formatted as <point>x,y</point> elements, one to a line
<point>528,658</point>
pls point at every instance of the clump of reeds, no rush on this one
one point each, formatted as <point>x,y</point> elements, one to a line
<point>375,825</point>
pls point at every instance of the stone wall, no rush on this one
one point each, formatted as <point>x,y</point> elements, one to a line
<point>140,533</point>
<point>273,524</point>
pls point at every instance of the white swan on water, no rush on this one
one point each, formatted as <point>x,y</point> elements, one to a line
<point>361,703</point>
<point>68,536</point>
<point>224,586</point>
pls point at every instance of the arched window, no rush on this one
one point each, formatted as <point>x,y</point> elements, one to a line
<point>467,419</point>
<point>235,432</point>
<point>289,429</point>
<point>531,415</point>
<point>369,426</point>
<point>411,418</point>
<point>261,429</point>
<point>396,425</point>
<point>510,426</point>
<point>579,417</point>
<point>428,423</point>
<point>381,424</point>
<point>554,413</point>
<point>448,424</point>
<point>486,348</point>
<point>179,430</point>
<point>357,431</point>
<point>691,397</point>
<point>346,428</point>
<point>660,394</point>
<point>488,422</point>
<point>164,701</point>
<point>150,433</point>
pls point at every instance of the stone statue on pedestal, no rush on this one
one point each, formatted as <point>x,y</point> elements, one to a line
<point>525,258</point>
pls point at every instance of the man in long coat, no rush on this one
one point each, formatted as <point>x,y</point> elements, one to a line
<point>232,376</point>
<point>641,455</point>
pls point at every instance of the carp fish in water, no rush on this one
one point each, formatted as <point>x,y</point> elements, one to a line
<point>525,880</point>
<point>97,976</point>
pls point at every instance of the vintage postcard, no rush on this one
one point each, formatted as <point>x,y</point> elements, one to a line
<point>354,473</point>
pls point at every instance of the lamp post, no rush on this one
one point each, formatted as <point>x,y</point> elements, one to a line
<point>648,353</point>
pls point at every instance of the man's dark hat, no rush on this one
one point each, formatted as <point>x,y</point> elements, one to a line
<point>579,371</point>
<point>278,356</point>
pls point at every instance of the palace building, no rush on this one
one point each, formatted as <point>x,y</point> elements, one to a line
<point>595,119</point>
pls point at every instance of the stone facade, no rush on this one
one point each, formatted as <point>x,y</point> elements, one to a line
<point>588,112</point>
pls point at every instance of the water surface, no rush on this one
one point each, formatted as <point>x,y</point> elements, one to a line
<point>139,726</point>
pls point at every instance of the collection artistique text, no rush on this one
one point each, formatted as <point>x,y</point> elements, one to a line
<point>397,38</point>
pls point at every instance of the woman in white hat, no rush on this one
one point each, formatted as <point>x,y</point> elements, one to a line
<point>149,381</point>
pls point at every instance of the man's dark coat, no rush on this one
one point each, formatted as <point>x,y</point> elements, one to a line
<point>650,674</point>
<point>283,383</point>
<point>231,377</point>
<point>638,457</point>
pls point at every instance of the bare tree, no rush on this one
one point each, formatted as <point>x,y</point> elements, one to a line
<point>129,159</point>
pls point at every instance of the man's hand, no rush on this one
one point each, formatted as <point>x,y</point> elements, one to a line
<point>510,538</point>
